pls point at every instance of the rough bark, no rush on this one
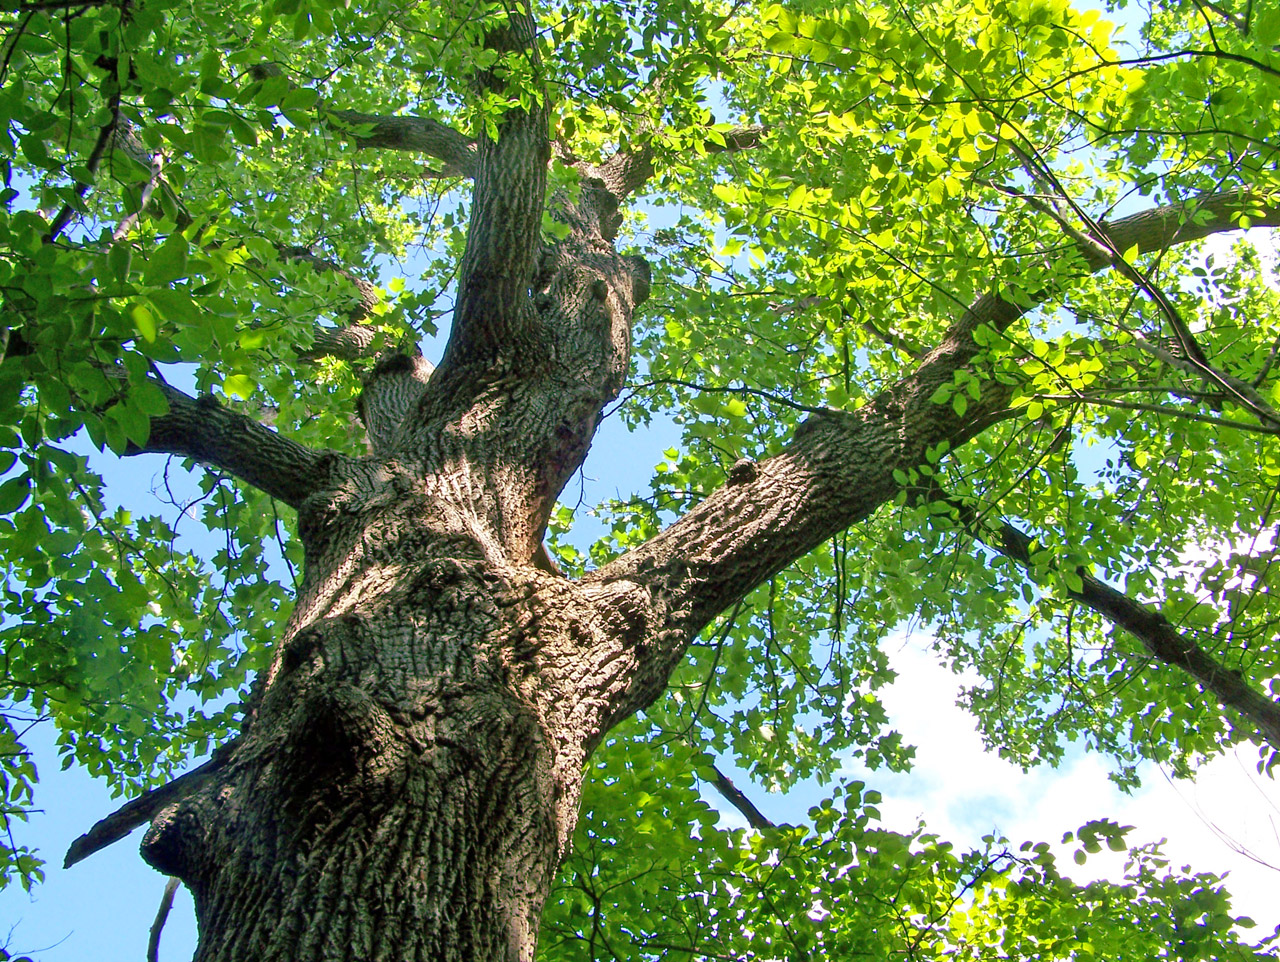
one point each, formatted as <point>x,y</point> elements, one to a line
<point>201,428</point>
<point>408,778</point>
<point>494,317</point>
<point>420,135</point>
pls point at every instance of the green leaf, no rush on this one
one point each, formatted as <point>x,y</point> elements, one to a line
<point>145,321</point>
<point>14,493</point>
<point>168,262</point>
<point>240,385</point>
<point>119,260</point>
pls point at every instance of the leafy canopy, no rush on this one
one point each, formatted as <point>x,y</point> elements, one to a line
<point>193,189</point>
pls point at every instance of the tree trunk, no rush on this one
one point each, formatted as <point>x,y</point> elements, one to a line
<point>410,775</point>
<point>409,772</point>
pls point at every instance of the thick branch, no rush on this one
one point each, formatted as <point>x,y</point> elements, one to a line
<point>391,392</point>
<point>348,343</point>
<point>205,430</point>
<point>841,465</point>
<point>416,134</point>
<point>494,312</point>
<point>141,809</point>
<point>392,388</point>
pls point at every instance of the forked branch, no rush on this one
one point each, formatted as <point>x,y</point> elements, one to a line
<point>628,170</point>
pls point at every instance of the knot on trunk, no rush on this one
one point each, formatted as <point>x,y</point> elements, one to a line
<point>641,278</point>
<point>175,840</point>
<point>342,729</point>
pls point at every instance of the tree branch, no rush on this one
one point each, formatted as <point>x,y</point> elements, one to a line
<point>142,809</point>
<point>734,796</point>
<point>1107,402</point>
<point>205,430</point>
<point>126,140</point>
<point>391,392</point>
<point>352,342</point>
<point>1097,241</point>
<point>627,171</point>
<point>366,290</point>
<point>494,313</point>
<point>94,160</point>
<point>1243,392</point>
<point>841,465</point>
<point>162,916</point>
<point>1157,635</point>
<point>416,134</point>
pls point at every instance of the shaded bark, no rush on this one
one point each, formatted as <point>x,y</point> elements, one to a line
<point>201,428</point>
<point>141,809</point>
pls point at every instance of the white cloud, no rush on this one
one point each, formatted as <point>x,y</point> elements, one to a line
<point>964,792</point>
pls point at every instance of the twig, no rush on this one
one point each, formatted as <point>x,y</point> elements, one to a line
<point>729,389</point>
<point>162,915</point>
<point>1159,409</point>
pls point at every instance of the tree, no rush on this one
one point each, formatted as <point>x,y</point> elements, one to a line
<point>926,297</point>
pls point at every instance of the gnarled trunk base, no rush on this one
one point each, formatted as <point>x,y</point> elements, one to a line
<point>397,795</point>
